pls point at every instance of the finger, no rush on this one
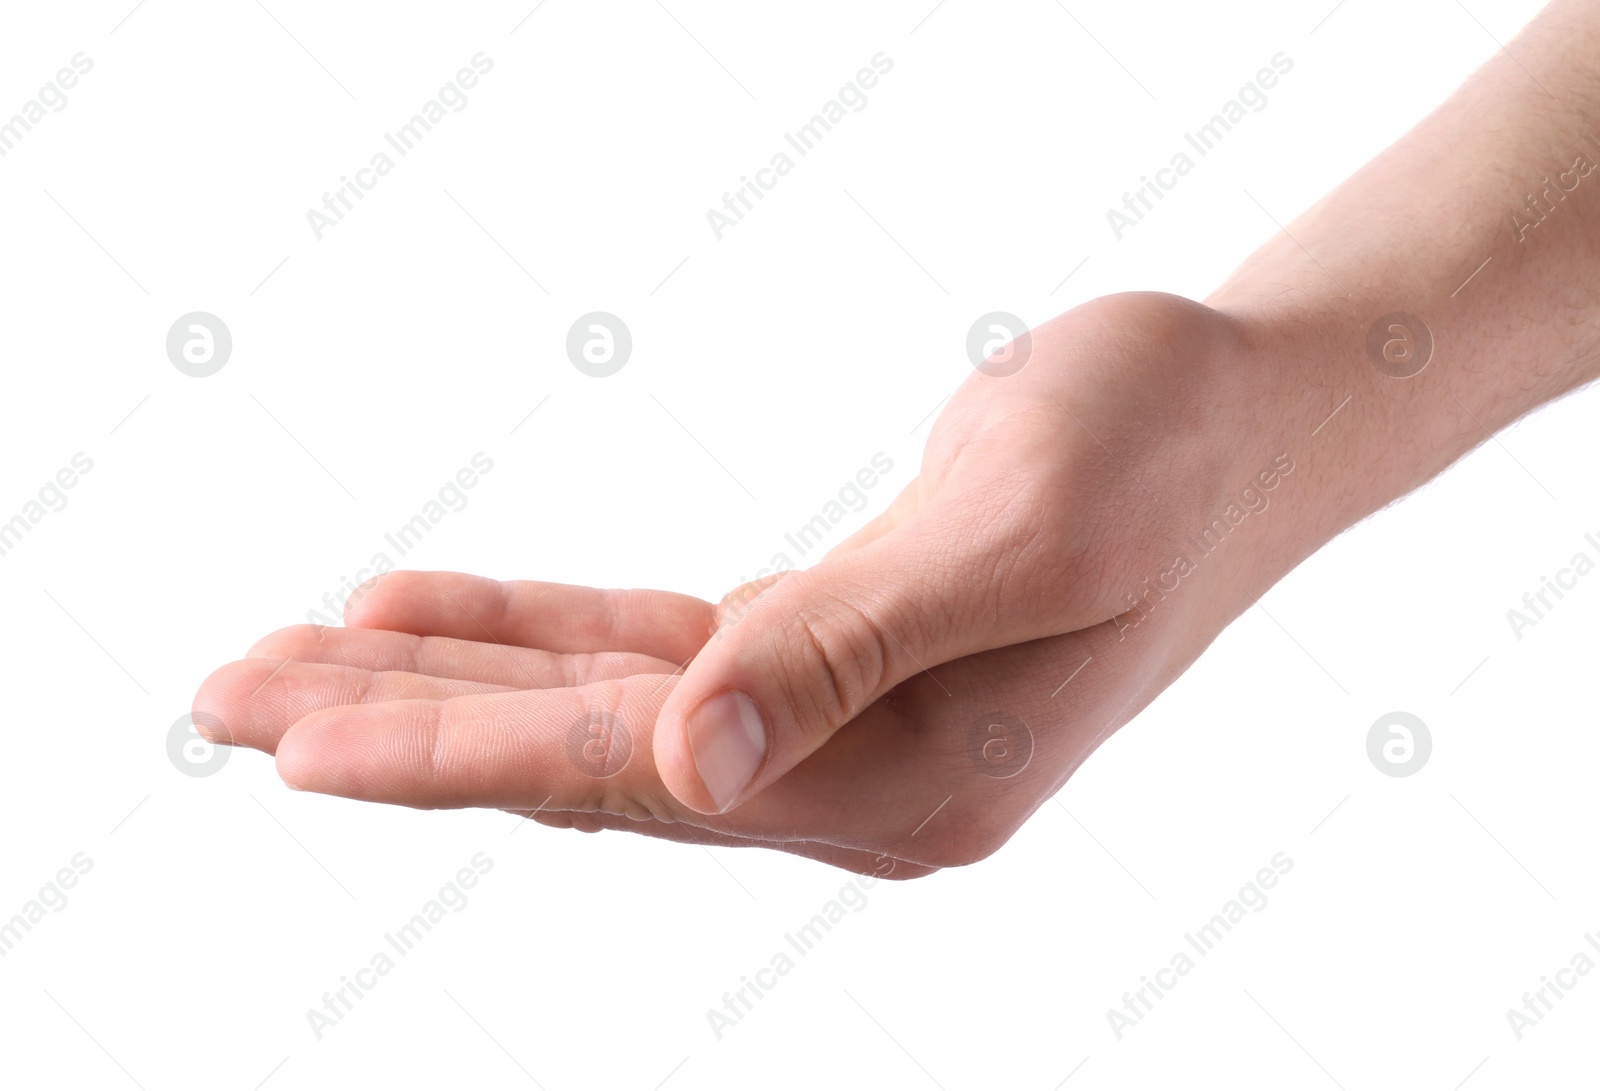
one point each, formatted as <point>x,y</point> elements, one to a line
<point>252,702</point>
<point>906,778</point>
<point>588,749</point>
<point>874,865</point>
<point>899,511</point>
<point>819,647</point>
<point>449,657</point>
<point>736,603</point>
<point>552,616</point>
<point>566,749</point>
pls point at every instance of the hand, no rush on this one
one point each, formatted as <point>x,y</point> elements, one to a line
<point>1106,478</point>
<point>914,682</point>
<point>1079,532</point>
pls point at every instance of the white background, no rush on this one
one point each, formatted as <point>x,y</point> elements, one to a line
<point>371,365</point>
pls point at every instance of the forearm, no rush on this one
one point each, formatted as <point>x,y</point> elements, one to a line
<point>1483,223</point>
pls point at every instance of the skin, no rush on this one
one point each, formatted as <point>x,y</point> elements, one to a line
<point>1048,506</point>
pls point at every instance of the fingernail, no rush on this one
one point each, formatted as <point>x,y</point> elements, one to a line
<point>728,741</point>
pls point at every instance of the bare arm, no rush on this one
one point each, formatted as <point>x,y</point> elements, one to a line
<point>1483,224</point>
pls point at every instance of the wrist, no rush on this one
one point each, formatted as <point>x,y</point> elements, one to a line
<point>1322,442</point>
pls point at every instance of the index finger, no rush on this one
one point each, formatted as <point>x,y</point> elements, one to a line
<point>554,617</point>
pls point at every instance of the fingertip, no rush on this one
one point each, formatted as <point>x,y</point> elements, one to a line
<point>315,754</point>
<point>380,753</point>
<point>675,766</point>
<point>225,710</point>
<point>674,756</point>
<point>209,726</point>
<point>369,604</point>
<point>710,753</point>
<point>293,762</point>
<point>729,742</point>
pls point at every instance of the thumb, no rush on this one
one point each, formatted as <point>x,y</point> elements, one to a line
<point>806,654</point>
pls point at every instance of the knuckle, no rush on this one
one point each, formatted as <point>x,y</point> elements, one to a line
<point>609,622</point>
<point>569,671</point>
<point>843,646</point>
<point>375,686</point>
<point>627,764</point>
<point>435,750</point>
